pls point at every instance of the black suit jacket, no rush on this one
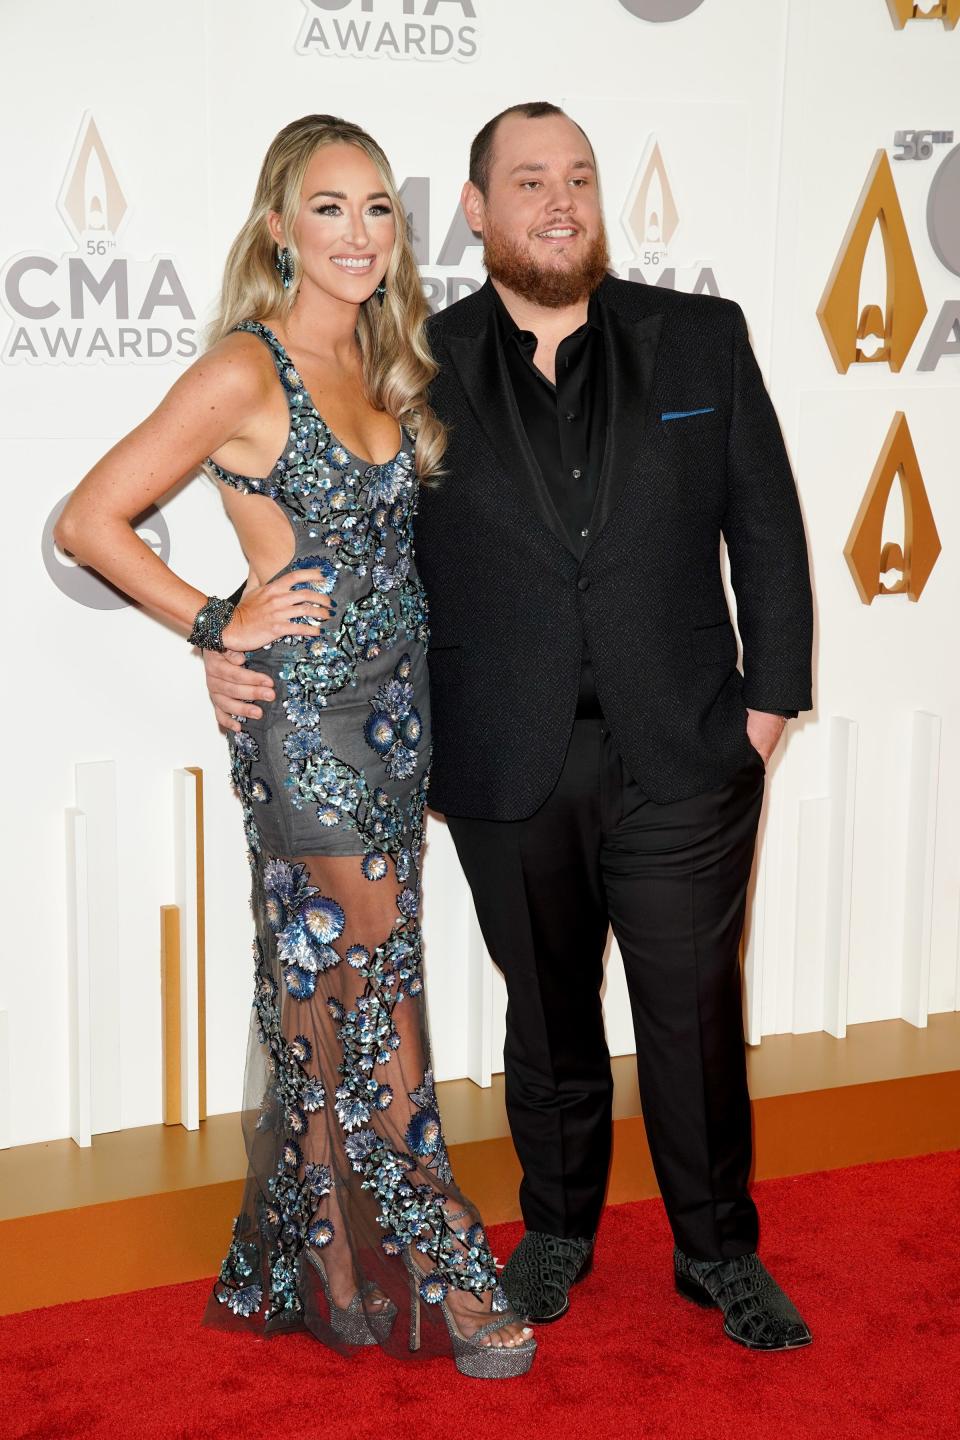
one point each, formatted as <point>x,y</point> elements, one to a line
<point>510,601</point>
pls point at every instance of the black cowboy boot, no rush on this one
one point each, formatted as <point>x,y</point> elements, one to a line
<point>756,1312</point>
<point>538,1276</point>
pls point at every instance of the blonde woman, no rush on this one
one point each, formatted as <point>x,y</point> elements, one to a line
<point>351,1224</point>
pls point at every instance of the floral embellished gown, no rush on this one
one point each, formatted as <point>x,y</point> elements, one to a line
<point>340,1115</point>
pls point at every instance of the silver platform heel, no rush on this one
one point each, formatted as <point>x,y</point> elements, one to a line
<point>471,1356</point>
<point>354,1325</point>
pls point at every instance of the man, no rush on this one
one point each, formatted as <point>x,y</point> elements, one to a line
<point>598,755</point>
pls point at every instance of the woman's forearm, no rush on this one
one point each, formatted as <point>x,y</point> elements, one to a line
<point>209,405</point>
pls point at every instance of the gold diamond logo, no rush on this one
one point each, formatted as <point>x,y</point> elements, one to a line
<point>912,558</point>
<point>651,216</point>
<point>878,332</point>
<point>91,201</point>
<point>903,10</point>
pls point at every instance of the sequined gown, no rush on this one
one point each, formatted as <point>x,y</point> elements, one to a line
<point>340,1115</point>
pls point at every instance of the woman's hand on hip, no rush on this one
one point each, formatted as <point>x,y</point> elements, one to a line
<point>290,605</point>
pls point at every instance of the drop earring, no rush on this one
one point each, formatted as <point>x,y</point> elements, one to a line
<point>284,267</point>
<point>381,291</point>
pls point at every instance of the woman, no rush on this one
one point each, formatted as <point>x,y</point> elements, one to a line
<point>350,1217</point>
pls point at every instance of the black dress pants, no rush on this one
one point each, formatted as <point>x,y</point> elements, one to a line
<point>671,881</point>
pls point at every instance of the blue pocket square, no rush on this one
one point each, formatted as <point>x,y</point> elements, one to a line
<point>685,414</point>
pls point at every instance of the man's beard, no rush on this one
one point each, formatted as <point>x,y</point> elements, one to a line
<point>508,262</point>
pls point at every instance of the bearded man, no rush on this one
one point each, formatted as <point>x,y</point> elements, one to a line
<point>598,755</point>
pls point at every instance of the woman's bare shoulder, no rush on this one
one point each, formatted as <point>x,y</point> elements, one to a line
<point>239,367</point>
<point>228,384</point>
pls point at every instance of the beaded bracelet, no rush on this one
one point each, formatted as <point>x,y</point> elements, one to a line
<point>210,623</point>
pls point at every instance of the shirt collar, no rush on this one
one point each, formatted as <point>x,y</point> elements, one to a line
<point>526,339</point>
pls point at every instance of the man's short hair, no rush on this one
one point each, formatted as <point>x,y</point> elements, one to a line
<point>481,151</point>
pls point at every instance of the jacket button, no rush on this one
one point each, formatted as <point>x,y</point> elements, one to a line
<point>583,583</point>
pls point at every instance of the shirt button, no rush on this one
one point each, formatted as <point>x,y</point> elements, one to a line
<point>577,474</point>
<point>570,415</point>
<point>583,583</point>
<point>584,533</point>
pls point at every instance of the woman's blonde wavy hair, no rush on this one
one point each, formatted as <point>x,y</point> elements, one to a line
<point>397,364</point>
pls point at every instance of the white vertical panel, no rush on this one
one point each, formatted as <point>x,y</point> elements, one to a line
<point>97,799</point>
<point>813,843</point>
<point>5,1080</point>
<point>78,977</point>
<point>447,915</point>
<point>617,1014</point>
<point>479,1006</point>
<point>839,853</point>
<point>921,841</point>
<point>185,889</point>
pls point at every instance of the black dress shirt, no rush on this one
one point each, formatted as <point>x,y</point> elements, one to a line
<point>565,422</point>
<point>566,425</point>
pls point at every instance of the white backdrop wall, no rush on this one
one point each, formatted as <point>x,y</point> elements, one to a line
<point>765,116</point>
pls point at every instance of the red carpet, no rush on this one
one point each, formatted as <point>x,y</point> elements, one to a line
<point>871,1256</point>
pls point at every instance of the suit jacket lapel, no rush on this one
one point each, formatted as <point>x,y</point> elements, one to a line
<point>631,348</point>
<point>480,364</point>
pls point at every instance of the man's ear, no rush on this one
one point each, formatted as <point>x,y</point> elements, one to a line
<point>473,206</point>
<point>275,226</point>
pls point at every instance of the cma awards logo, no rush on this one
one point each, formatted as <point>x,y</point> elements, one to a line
<point>902,11</point>
<point>85,586</point>
<point>95,303</point>
<point>391,29</point>
<point>651,219</point>
<point>867,329</point>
